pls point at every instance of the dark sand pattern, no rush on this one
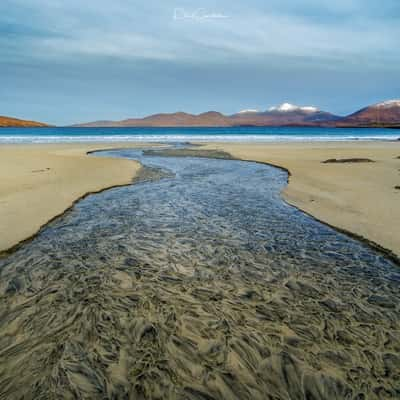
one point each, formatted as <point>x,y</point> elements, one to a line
<point>202,286</point>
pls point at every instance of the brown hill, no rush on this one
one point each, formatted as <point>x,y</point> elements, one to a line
<point>386,113</point>
<point>210,118</point>
<point>178,119</point>
<point>14,122</point>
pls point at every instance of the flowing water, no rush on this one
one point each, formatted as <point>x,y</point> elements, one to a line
<point>201,285</point>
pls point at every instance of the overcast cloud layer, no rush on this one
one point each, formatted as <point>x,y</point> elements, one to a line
<point>63,62</point>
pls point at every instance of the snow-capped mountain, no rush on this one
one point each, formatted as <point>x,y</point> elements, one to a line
<point>283,115</point>
<point>249,111</point>
<point>287,107</point>
<point>386,113</point>
<point>388,104</point>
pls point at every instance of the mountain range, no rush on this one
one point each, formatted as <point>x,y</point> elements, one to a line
<point>385,114</point>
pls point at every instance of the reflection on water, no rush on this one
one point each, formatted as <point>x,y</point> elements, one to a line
<point>205,285</point>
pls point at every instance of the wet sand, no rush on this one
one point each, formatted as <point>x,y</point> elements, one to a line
<point>358,197</point>
<point>39,182</point>
<point>200,287</point>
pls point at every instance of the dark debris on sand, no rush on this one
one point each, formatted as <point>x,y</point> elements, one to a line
<point>347,160</point>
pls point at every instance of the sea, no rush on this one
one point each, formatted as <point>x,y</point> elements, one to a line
<point>230,134</point>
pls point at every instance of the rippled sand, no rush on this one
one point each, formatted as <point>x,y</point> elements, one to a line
<point>204,285</point>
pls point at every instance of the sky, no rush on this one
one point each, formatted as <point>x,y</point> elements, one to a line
<point>63,62</point>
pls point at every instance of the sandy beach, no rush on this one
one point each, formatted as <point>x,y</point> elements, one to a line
<point>39,182</point>
<point>358,197</point>
<point>203,285</point>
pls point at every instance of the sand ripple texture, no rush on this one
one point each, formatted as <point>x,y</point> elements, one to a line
<point>201,286</point>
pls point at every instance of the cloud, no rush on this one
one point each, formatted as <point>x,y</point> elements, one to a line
<point>128,30</point>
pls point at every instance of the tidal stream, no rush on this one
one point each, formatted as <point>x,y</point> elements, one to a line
<point>203,285</point>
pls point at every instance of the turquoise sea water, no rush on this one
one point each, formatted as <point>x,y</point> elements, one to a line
<point>45,135</point>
